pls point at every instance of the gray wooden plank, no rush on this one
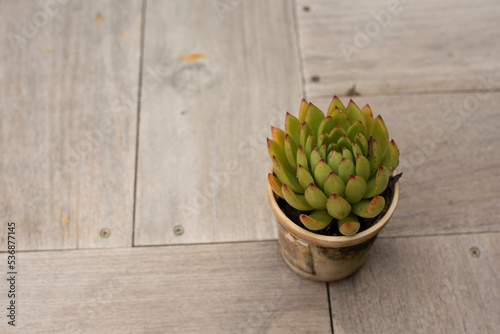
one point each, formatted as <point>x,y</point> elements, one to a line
<point>68,121</point>
<point>422,285</point>
<point>415,46</point>
<point>449,160</point>
<point>221,288</point>
<point>219,76</point>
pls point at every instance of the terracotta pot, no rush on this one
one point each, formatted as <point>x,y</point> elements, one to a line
<point>326,258</point>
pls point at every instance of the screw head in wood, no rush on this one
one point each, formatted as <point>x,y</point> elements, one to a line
<point>105,233</point>
<point>474,252</point>
<point>178,229</point>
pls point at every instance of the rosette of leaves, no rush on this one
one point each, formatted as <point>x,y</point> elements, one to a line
<point>332,167</point>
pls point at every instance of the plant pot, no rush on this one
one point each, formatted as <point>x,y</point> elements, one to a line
<point>326,258</point>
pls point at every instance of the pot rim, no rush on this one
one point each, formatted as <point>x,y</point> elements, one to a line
<point>331,241</point>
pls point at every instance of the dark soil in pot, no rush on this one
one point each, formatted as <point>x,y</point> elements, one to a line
<point>332,229</point>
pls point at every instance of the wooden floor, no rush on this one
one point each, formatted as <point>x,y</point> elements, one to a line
<point>133,162</point>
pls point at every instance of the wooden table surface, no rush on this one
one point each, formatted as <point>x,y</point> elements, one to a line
<point>133,163</point>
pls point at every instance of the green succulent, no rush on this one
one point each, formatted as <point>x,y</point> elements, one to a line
<point>335,166</point>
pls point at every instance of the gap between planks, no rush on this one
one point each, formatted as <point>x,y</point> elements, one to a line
<point>139,93</point>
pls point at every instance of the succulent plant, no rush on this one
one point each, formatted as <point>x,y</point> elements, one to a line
<point>333,167</point>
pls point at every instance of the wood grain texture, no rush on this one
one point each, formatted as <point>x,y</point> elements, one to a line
<point>421,46</point>
<point>217,79</point>
<point>68,125</point>
<point>224,288</point>
<point>449,159</point>
<point>422,285</point>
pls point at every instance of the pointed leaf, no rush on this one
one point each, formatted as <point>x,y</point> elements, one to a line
<point>347,154</point>
<point>362,167</point>
<point>375,207</point>
<point>321,172</point>
<point>323,139</point>
<point>327,125</point>
<point>296,201</point>
<point>361,141</point>
<point>304,105</point>
<point>337,133</point>
<point>286,177</point>
<point>293,127</point>
<point>322,151</point>
<point>305,131</point>
<point>334,185</point>
<point>355,189</point>
<point>314,117</point>
<point>354,113</point>
<point>367,113</point>
<point>345,142</point>
<point>356,149</point>
<point>346,169</point>
<point>305,178</point>
<point>317,220</point>
<point>277,151</point>
<point>369,208</point>
<point>335,104</point>
<point>349,225</point>
<point>391,159</point>
<point>337,206</point>
<point>314,158</point>
<point>377,184</point>
<point>278,136</point>
<point>290,150</point>
<point>302,159</point>
<point>340,119</point>
<point>315,197</point>
<point>354,129</point>
<point>334,159</point>
<point>275,184</point>
<point>375,156</point>
<point>310,144</point>
<point>379,133</point>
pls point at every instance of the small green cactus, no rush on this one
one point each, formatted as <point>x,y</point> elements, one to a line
<point>335,166</point>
